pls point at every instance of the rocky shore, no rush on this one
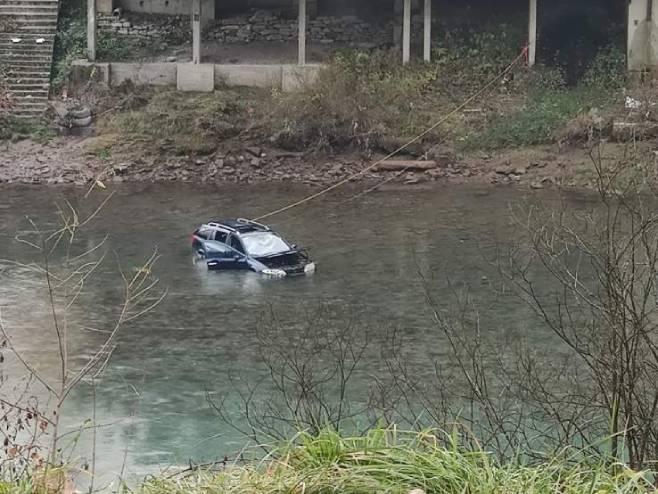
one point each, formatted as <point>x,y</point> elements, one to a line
<point>67,160</point>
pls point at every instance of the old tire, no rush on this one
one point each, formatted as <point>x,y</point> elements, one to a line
<point>83,112</point>
<point>81,122</point>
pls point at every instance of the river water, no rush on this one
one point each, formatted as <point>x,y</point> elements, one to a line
<point>370,252</point>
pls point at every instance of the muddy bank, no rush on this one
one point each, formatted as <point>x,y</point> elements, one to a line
<point>68,160</point>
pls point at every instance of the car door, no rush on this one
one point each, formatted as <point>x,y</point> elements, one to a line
<point>220,255</point>
<point>237,249</point>
<point>198,239</point>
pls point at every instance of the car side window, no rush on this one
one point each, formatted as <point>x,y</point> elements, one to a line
<point>236,244</point>
<point>220,236</point>
<point>203,233</point>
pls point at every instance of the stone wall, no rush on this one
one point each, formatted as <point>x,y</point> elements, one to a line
<point>253,27</point>
<point>269,26</point>
<point>155,27</point>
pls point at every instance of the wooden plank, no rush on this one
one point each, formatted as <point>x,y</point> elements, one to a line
<point>411,165</point>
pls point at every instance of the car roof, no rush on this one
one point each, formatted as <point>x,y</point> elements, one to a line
<point>239,225</point>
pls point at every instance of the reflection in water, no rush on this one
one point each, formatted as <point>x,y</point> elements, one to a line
<point>153,396</point>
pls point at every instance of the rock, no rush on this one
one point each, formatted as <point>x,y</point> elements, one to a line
<point>504,170</point>
<point>254,151</point>
<point>199,162</point>
<point>414,180</point>
<point>172,59</point>
<point>256,163</point>
<point>120,169</point>
<point>536,185</point>
<point>336,169</point>
<point>520,171</point>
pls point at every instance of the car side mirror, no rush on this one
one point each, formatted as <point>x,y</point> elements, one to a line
<point>294,246</point>
<point>200,252</point>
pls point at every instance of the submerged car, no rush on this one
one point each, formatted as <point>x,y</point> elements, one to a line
<point>244,244</point>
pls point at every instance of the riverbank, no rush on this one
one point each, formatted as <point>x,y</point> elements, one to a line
<point>390,461</point>
<point>76,160</point>
<point>384,461</point>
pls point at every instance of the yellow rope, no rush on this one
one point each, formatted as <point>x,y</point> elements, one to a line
<point>459,108</point>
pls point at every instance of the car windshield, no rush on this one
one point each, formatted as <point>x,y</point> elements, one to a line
<point>259,244</point>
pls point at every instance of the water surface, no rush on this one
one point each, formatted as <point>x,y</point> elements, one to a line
<point>370,252</point>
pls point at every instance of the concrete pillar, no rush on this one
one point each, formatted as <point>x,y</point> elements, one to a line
<point>302,32</point>
<point>532,33</point>
<point>427,31</point>
<point>640,33</point>
<point>406,32</point>
<point>196,31</point>
<point>91,30</point>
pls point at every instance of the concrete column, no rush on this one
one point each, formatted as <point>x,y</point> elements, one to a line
<point>91,30</point>
<point>302,32</point>
<point>196,31</point>
<point>640,34</point>
<point>406,32</point>
<point>532,33</point>
<point>427,32</point>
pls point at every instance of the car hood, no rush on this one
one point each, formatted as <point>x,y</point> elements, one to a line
<point>284,260</point>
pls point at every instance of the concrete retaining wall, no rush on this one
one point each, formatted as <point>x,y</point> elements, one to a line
<point>285,77</point>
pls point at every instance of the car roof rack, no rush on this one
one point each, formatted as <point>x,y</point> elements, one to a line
<point>220,224</point>
<point>254,223</point>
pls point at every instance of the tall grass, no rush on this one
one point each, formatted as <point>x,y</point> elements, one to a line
<point>392,461</point>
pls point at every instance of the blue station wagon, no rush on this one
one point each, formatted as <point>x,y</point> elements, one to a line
<point>247,245</point>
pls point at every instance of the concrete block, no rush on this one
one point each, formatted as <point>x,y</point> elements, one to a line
<point>265,76</point>
<point>155,74</point>
<point>294,76</point>
<point>195,77</point>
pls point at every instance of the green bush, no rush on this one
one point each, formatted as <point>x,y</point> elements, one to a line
<point>550,105</point>
<point>367,99</point>
<point>359,98</point>
<point>71,45</point>
<point>607,70</point>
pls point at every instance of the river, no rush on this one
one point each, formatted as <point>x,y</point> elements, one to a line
<point>152,399</point>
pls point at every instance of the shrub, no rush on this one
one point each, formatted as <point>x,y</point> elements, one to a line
<point>183,122</point>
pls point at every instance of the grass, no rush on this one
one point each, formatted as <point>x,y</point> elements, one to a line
<point>539,121</point>
<point>16,129</point>
<point>369,101</point>
<point>183,123</point>
<point>388,461</point>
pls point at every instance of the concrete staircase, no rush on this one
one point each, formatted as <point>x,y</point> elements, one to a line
<point>28,63</point>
